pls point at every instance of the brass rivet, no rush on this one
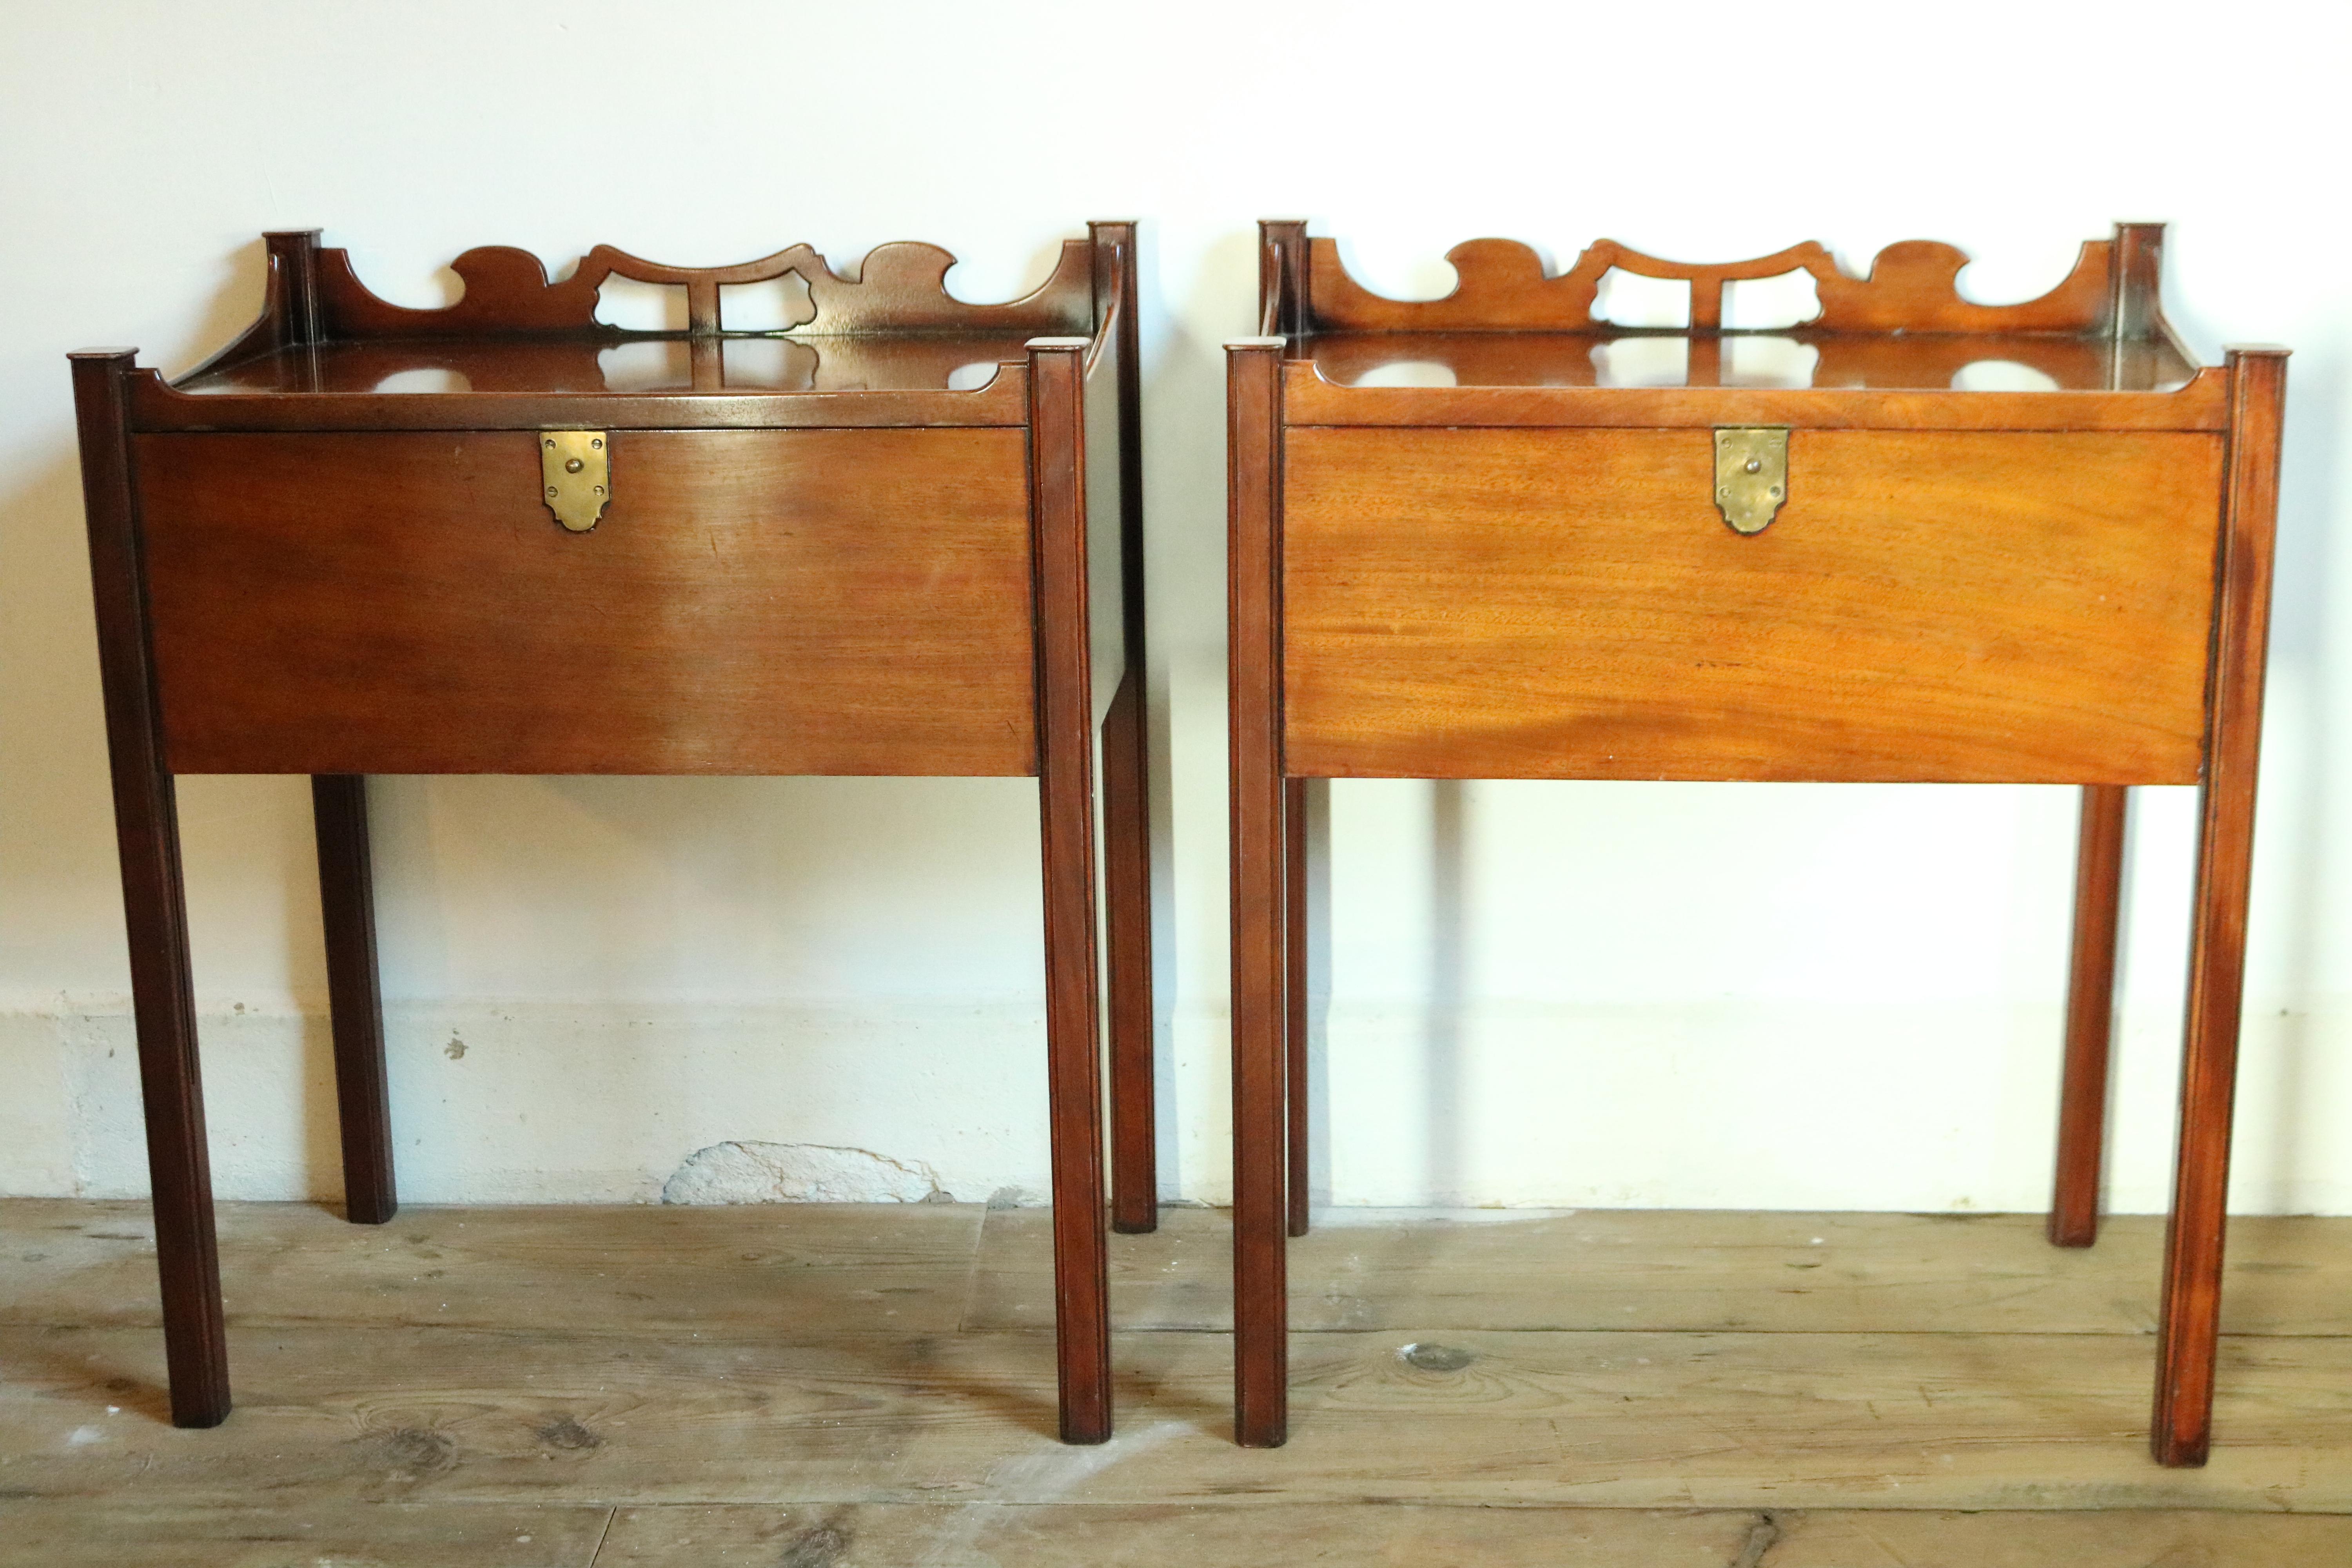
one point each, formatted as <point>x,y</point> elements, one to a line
<point>600,490</point>
<point>598,443</point>
<point>573,465</point>
<point>1755,465</point>
<point>551,490</point>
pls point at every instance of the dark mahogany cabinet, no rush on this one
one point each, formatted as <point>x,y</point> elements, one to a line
<point>900,535</point>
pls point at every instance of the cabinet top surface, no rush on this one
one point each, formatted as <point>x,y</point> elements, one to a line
<point>927,361</point>
<point>1617,317</point>
<point>1796,358</point>
<point>781,340</point>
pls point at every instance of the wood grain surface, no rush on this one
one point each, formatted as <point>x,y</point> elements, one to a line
<point>901,286</point>
<point>156,407</point>
<point>2090,1017</point>
<point>1067,803</point>
<point>1116,497</point>
<point>72,1534</point>
<point>312,294</point>
<point>326,1535</point>
<point>1689,1270</point>
<point>338,816</point>
<point>2217,943</point>
<point>1912,286</point>
<point>1944,606</point>
<point>1132,1065</point>
<point>672,1271</point>
<point>1802,357</point>
<point>739,1383</point>
<point>1137,1535</point>
<point>1258,916</point>
<point>154,899</point>
<point>1426,1536</point>
<point>772,601</point>
<point>650,1270</point>
<point>427,373</point>
<point>1629,1419</point>
<point>518,351</point>
<point>1309,399</point>
<point>1296,1012</point>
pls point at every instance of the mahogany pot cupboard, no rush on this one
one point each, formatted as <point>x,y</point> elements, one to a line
<point>1490,535</point>
<point>900,535</point>
<point>1912,539</point>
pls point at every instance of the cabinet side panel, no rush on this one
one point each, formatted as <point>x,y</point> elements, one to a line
<point>750,602</point>
<point>1959,606</point>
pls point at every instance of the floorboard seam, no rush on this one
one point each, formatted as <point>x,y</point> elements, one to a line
<point>602,1535</point>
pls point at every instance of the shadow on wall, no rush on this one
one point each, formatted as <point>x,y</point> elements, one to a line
<point>1449,918</point>
<point>60,880</point>
<point>56,836</point>
<point>57,829</point>
<point>2299,648</point>
<point>1184,527</point>
<point>1157,369</point>
<point>1318,990</point>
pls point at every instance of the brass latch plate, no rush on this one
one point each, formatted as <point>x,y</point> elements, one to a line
<point>1751,474</point>
<point>575,476</point>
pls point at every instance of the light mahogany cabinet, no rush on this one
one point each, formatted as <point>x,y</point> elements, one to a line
<point>1912,538</point>
<point>901,535</point>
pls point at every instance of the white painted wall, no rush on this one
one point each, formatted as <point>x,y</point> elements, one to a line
<point>1610,994</point>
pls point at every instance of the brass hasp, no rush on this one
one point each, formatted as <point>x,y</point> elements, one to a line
<point>1751,474</point>
<point>575,476</point>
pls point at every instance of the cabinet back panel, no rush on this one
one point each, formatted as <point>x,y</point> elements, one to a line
<point>751,602</point>
<point>1962,606</point>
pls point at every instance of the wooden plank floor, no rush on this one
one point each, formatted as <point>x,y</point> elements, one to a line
<point>825,1386</point>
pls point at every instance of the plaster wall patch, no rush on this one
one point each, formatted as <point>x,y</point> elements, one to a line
<point>754,1173</point>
